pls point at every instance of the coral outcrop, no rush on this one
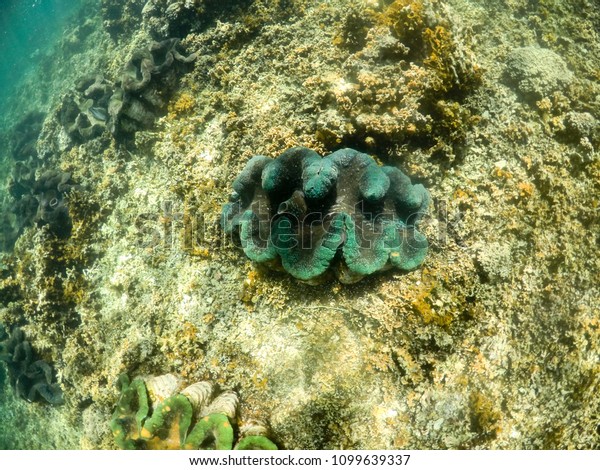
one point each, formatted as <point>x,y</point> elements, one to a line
<point>172,17</point>
<point>537,72</point>
<point>32,378</point>
<point>186,419</point>
<point>311,214</point>
<point>120,18</point>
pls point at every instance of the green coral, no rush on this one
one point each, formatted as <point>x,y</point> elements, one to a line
<point>342,211</point>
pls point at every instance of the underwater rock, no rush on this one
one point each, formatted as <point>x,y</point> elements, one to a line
<point>121,18</point>
<point>581,126</point>
<point>173,423</point>
<point>31,378</point>
<point>537,72</point>
<point>165,18</point>
<point>341,212</point>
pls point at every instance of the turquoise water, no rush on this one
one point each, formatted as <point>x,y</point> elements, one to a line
<point>27,29</point>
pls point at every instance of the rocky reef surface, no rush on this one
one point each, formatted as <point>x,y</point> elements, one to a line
<point>493,106</point>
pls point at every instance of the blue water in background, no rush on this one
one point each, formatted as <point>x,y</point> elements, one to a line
<point>27,29</point>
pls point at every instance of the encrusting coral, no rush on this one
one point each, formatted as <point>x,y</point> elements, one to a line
<point>186,419</point>
<point>312,213</point>
<point>31,378</point>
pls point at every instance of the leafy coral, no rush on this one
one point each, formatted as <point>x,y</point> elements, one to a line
<point>312,213</point>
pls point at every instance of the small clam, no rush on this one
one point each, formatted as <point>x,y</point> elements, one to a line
<point>198,394</point>
<point>162,387</point>
<point>226,403</point>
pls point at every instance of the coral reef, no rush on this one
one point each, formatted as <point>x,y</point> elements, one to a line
<point>188,419</point>
<point>121,18</point>
<point>403,83</point>
<point>537,72</point>
<point>484,347</point>
<point>170,18</point>
<point>312,212</point>
<point>32,378</point>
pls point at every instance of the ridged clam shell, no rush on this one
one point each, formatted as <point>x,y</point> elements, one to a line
<point>254,428</point>
<point>226,403</point>
<point>198,394</point>
<point>162,387</point>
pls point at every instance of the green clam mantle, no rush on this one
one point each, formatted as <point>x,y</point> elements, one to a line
<point>314,215</point>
